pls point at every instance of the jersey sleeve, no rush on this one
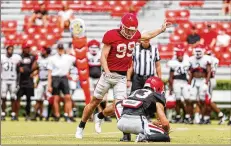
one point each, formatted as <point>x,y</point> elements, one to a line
<point>138,34</point>
<point>160,98</point>
<point>107,38</point>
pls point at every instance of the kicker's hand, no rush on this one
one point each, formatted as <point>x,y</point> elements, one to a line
<point>165,25</point>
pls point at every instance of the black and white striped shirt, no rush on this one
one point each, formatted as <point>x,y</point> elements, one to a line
<point>144,60</point>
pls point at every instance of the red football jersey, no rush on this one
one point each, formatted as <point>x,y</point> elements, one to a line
<point>120,55</point>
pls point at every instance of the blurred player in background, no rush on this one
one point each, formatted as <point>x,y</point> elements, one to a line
<point>178,84</point>
<point>212,85</point>
<point>73,79</point>
<point>139,106</point>
<point>9,62</point>
<point>42,93</point>
<point>200,68</point>
<point>93,55</point>
<point>26,84</point>
<point>115,59</point>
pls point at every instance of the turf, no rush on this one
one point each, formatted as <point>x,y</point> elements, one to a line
<point>63,133</point>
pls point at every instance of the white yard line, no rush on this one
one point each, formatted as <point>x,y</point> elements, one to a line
<point>105,133</point>
<point>52,135</point>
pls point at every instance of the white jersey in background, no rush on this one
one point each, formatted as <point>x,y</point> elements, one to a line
<point>94,60</point>
<point>42,64</point>
<point>74,79</point>
<point>9,66</point>
<point>95,68</point>
<point>179,68</point>
<point>180,83</point>
<point>9,75</point>
<point>41,89</point>
<point>214,65</point>
<point>198,85</point>
<point>199,64</point>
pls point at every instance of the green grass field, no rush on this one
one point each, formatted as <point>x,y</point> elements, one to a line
<point>63,133</point>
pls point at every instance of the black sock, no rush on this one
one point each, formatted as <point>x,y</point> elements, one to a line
<point>125,133</point>
<point>100,115</point>
<point>82,124</point>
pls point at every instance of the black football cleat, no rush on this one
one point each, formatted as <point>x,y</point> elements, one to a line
<point>41,118</point>
<point>188,121</point>
<point>201,121</point>
<point>107,119</point>
<point>14,118</point>
<point>126,137</point>
<point>56,119</point>
<point>72,119</point>
<point>207,122</point>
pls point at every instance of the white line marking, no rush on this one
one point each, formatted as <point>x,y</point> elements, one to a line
<point>105,133</point>
<point>52,135</point>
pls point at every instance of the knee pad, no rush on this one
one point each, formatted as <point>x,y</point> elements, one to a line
<point>158,137</point>
<point>118,109</point>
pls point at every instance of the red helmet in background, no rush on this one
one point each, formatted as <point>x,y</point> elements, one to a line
<point>93,47</point>
<point>156,84</point>
<point>129,25</point>
<point>179,48</point>
<point>26,46</point>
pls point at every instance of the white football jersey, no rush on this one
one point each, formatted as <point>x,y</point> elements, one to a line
<point>74,73</point>
<point>9,66</point>
<point>43,70</point>
<point>214,63</point>
<point>94,60</point>
<point>199,63</point>
<point>179,68</point>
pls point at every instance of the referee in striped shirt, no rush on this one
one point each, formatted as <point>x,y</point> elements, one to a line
<point>146,63</point>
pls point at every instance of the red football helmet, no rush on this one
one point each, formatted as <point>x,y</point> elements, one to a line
<point>129,25</point>
<point>93,47</point>
<point>180,53</point>
<point>25,46</point>
<point>156,84</point>
<point>179,48</point>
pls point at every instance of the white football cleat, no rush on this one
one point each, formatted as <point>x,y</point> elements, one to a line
<point>98,123</point>
<point>79,133</point>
